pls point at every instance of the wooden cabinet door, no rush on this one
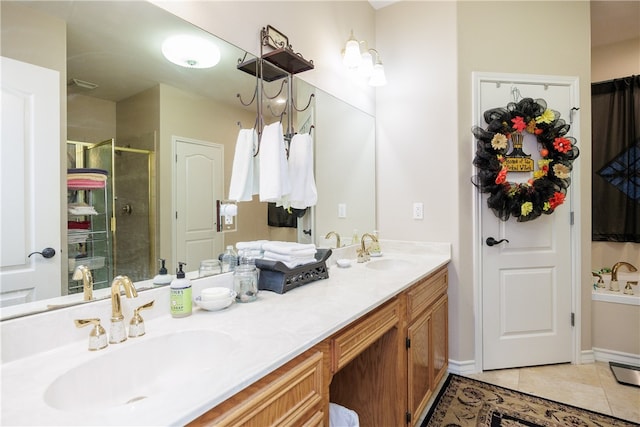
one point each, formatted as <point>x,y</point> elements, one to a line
<point>419,363</point>
<point>439,339</point>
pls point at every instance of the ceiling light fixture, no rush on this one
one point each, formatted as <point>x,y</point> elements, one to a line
<point>191,52</point>
<point>363,62</point>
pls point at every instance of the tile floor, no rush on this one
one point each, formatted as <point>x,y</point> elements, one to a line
<point>591,386</point>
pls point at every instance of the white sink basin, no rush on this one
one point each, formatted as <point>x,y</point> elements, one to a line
<point>135,370</point>
<point>389,264</point>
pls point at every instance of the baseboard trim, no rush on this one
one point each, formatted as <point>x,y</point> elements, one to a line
<point>466,367</point>
<point>604,355</point>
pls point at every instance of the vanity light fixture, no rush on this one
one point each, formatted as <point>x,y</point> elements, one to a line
<point>191,52</point>
<point>363,61</point>
<point>352,57</point>
<point>378,78</point>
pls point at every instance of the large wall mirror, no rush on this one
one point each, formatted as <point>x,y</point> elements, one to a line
<point>128,108</point>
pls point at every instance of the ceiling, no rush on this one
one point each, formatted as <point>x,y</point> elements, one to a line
<point>98,53</point>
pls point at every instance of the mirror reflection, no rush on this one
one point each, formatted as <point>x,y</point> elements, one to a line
<point>147,121</point>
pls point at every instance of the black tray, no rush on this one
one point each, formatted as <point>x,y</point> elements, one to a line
<point>277,277</point>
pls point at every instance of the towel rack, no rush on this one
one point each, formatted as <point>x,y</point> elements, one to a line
<point>278,62</point>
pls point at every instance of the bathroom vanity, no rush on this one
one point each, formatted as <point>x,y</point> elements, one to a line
<point>371,337</point>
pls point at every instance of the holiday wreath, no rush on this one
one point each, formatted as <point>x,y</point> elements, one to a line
<point>546,189</point>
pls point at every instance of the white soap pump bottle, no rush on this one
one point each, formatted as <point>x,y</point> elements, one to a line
<point>180,294</point>
<point>162,278</point>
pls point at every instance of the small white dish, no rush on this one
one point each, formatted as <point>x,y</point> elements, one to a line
<point>217,292</point>
<point>376,254</point>
<point>216,304</point>
<point>343,263</point>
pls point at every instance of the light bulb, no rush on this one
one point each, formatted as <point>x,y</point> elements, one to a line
<point>352,56</point>
<point>191,52</point>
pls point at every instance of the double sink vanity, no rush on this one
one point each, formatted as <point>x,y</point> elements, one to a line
<point>372,337</point>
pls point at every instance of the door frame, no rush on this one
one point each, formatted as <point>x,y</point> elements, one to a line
<point>574,190</point>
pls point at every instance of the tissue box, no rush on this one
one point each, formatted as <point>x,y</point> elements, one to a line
<point>277,277</point>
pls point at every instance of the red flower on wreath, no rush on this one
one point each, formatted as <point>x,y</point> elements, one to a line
<point>563,145</point>
<point>518,123</point>
<point>502,176</point>
<point>556,200</point>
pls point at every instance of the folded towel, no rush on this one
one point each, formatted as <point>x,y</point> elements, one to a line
<point>244,171</point>
<point>87,170</point>
<point>274,172</point>
<point>77,184</point>
<point>303,184</point>
<point>283,257</point>
<point>294,263</point>
<point>288,248</point>
<point>91,176</point>
<point>254,245</point>
<point>81,209</point>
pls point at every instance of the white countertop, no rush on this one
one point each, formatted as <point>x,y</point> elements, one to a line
<point>255,339</point>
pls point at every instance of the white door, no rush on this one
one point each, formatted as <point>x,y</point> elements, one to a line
<point>527,281</point>
<point>30,187</point>
<point>199,183</point>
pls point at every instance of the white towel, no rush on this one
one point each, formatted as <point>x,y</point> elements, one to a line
<point>252,245</point>
<point>283,257</point>
<point>243,174</point>
<point>274,172</point>
<point>303,184</point>
<point>289,248</point>
<point>290,262</point>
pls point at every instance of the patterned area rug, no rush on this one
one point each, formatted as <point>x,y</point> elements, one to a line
<point>465,402</point>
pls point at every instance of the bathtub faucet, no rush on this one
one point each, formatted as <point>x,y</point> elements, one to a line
<point>613,286</point>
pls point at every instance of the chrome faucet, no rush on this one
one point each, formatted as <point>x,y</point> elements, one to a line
<point>83,273</point>
<point>613,285</point>
<point>337,236</point>
<point>117,332</point>
<point>363,252</point>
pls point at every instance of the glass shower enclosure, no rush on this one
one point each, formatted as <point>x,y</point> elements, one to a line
<point>129,206</point>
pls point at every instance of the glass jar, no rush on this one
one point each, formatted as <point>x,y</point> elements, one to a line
<point>245,278</point>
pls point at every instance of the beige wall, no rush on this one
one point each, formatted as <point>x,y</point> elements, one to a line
<point>424,121</point>
<point>615,327</point>
<point>90,119</point>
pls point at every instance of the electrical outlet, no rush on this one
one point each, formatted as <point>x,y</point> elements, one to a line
<point>342,210</point>
<point>418,210</point>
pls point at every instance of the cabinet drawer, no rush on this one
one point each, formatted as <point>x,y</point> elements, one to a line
<point>291,395</point>
<point>345,346</point>
<point>422,294</point>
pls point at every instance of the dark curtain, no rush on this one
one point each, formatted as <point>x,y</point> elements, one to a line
<point>615,201</point>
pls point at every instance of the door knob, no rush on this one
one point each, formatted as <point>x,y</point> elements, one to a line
<point>491,241</point>
<point>46,253</point>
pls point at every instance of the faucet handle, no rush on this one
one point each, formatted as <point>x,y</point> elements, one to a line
<point>136,326</point>
<point>97,337</point>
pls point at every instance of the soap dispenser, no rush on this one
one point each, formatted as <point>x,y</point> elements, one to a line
<point>180,299</point>
<point>162,278</point>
